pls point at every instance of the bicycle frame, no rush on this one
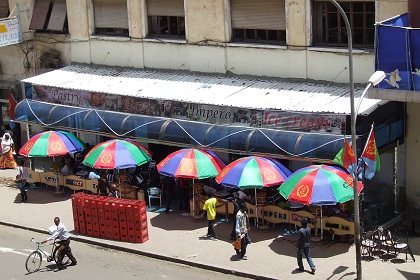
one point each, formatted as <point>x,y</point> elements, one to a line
<point>39,245</point>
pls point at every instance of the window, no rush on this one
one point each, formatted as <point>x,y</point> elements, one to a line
<point>110,17</point>
<point>329,27</point>
<point>4,8</point>
<point>166,18</point>
<point>49,16</point>
<point>260,21</point>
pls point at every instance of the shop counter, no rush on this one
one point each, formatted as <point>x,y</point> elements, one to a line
<point>338,226</point>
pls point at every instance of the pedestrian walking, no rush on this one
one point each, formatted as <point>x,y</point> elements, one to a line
<point>62,233</point>
<point>304,246</point>
<point>210,207</point>
<point>242,230</point>
<point>21,176</point>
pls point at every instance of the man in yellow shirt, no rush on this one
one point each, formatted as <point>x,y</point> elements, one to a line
<point>210,207</point>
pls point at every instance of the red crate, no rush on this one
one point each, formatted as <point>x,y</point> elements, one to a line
<point>131,234</point>
<point>96,228</point>
<point>116,232</point>
<point>76,222</point>
<point>141,235</point>
<point>140,224</point>
<point>123,232</point>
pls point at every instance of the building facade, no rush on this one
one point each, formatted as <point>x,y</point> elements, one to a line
<point>297,40</point>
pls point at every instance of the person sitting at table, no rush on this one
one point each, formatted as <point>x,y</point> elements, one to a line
<point>103,185</point>
<point>111,177</point>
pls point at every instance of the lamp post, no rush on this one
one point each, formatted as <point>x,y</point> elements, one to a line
<point>353,140</point>
<point>375,79</point>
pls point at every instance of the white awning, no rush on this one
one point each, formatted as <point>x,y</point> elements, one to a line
<point>218,90</point>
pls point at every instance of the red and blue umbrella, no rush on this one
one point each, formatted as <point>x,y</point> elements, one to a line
<point>319,185</point>
<point>252,173</point>
<point>140,146</point>
<point>189,163</point>
<point>115,154</point>
<point>52,143</point>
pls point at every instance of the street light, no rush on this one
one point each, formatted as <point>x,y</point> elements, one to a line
<point>375,79</point>
<point>353,140</point>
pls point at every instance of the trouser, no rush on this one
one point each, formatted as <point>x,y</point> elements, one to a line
<point>210,230</point>
<point>65,249</point>
<point>307,252</point>
<point>244,244</point>
<point>23,194</point>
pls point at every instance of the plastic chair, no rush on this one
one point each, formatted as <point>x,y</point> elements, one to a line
<point>154,193</point>
<point>367,245</point>
<point>402,246</point>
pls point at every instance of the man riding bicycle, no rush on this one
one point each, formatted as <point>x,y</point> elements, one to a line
<point>62,233</point>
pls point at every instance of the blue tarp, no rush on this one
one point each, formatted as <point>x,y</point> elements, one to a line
<point>397,52</point>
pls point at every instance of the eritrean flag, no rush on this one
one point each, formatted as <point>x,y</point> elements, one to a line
<point>371,157</point>
<point>345,157</point>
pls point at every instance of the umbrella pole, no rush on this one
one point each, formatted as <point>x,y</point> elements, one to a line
<point>193,200</point>
<point>322,230</point>
<point>256,208</point>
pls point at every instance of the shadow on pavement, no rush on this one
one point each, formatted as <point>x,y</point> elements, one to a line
<point>286,245</point>
<point>409,275</point>
<point>43,196</point>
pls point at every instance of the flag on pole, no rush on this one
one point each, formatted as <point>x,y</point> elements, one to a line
<point>11,108</point>
<point>345,157</point>
<point>370,156</point>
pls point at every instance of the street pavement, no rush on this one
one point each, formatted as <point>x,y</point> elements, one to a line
<point>180,238</point>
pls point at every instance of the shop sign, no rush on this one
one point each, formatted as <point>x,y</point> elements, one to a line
<point>10,32</point>
<point>74,182</point>
<point>274,119</point>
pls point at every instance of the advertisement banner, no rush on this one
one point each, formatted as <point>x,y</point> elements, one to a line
<point>273,119</point>
<point>10,32</point>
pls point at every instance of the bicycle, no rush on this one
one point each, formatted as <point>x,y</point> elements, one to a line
<point>34,260</point>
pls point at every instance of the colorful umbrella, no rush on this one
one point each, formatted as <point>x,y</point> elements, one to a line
<point>189,163</point>
<point>52,143</point>
<point>319,185</point>
<point>140,146</point>
<point>252,172</point>
<point>115,154</point>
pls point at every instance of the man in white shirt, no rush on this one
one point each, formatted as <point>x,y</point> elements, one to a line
<point>62,233</point>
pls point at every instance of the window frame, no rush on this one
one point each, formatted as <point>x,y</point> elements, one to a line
<point>44,17</point>
<point>324,12</point>
<point>180,27</point>
<point>166,11</point>
<point>253,28</point>
<point>118,30</point>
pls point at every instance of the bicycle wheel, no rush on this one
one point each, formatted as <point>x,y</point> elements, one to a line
<point>33,262</point>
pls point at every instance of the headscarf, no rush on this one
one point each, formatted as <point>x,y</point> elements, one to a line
<point>6,144</point>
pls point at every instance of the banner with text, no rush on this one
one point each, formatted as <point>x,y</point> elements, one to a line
<point>275,119</point>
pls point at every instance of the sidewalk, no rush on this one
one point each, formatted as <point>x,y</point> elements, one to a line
<point>180,239</point>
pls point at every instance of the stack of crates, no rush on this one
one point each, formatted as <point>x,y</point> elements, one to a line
<point>111,218</point>
<point>137,222</point>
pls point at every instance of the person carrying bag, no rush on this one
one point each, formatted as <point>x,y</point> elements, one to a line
<point>21,176</point>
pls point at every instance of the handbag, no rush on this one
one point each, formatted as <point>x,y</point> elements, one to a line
<point>237,244</point>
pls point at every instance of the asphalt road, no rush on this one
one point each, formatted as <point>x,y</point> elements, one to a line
<point>93,262</point>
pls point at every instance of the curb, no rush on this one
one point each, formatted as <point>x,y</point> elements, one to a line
<point>147,254</point>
